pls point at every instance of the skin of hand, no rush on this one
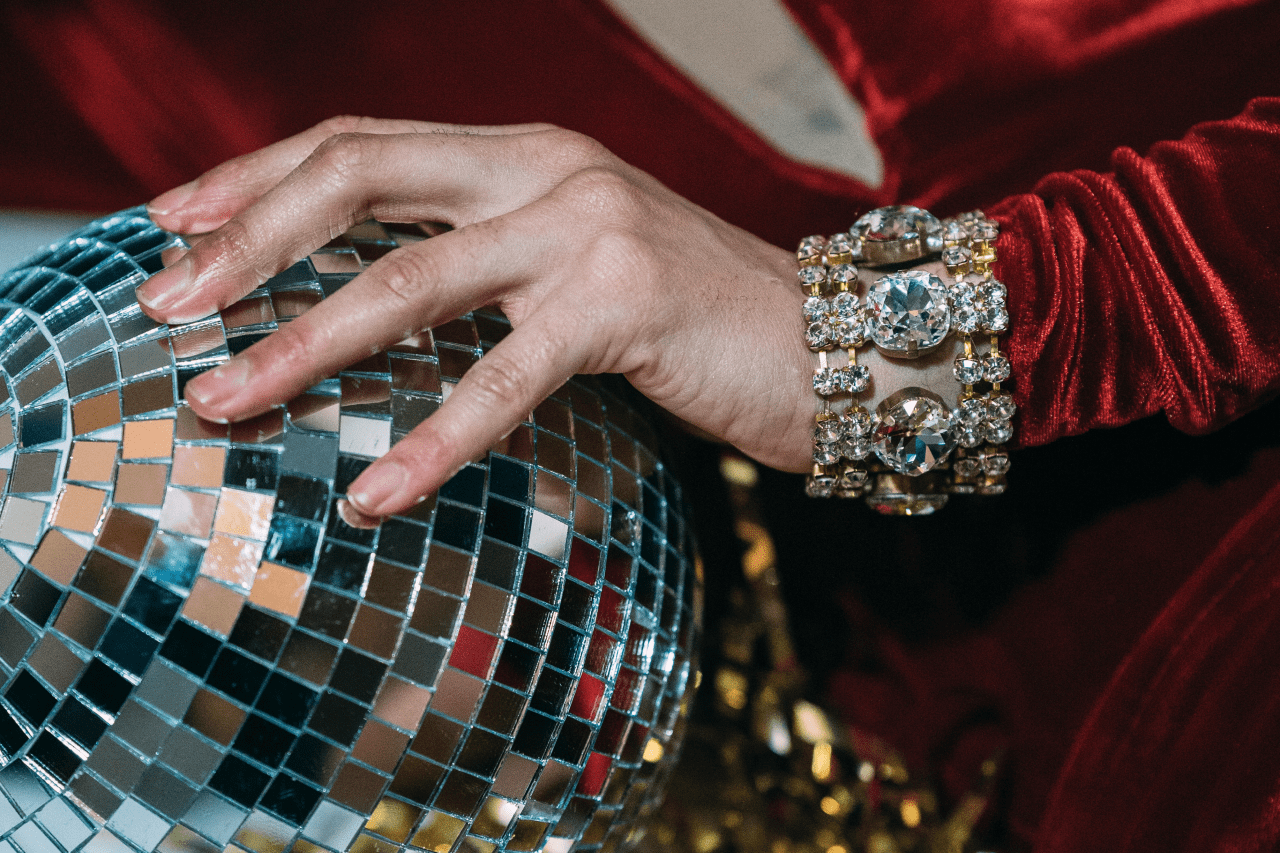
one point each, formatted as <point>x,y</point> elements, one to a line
<point>599,268</point>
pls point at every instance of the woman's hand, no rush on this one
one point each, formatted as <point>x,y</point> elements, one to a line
<point>599,267</point>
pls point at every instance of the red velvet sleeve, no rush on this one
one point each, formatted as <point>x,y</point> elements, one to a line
<point>1152,288</point>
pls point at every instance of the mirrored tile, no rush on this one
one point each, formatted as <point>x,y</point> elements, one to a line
<point>92,461</point>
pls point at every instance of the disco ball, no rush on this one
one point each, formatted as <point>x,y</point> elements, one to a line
<point>198,654</point>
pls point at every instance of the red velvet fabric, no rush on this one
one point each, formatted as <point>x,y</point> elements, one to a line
<point>1133,676</point>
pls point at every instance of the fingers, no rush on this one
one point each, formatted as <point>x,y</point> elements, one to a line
<point>413,288</point>
<point>490,400</point>
<point>209,201</point>
<point>348,179</point>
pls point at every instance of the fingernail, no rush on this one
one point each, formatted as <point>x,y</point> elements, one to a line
<point>355,518</point>
<point>380,486</point>
<point>166,203</point>
<point>164,288</point>
<point>219,385</point>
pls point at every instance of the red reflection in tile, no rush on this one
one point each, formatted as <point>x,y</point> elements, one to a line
<point>473,651</point>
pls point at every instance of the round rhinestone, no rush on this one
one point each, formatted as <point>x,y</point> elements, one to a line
<point>818,335</point>
<point>914,431</point>
<point>856,446</point>
<point>839,244</point>
<point>811,276</point>
<point>826,381</point>
<point>856,422</point>
<point>827,430</point>
<point>813,240</point>
<point>967,369</point>
<point>998,432</point>
<point>815,308</point>
<point>825,454</point>
<point>996,319</point>
<point>995,368</point>
<point>966,466</point>
<point>855,378</point>
<point>992,487</point>
<point>969,435</point>
<point>994,293</point>
<point>1001,407</point>
<point>844,304</point>
<point>908,311</point>
<point>855,247</point>
<point>962,293</point>
<point>850,333</point>
<point>971,218</point>
<point>996,462</point>
<point>956,256</point>
<point>845,274</point>
<point>986,230</point>
<point>971,411</point>
<point>819,485</point>
<point>809,254</point>
<point>965,320</point>
<point>954,232</point>
<point>853,481</point>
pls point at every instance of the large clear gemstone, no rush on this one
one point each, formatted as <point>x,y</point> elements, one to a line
<point>899,223</point>
<point>914,431</point>
<point>908,311</point>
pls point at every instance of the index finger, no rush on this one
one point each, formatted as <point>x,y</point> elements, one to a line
<point>228,189</point>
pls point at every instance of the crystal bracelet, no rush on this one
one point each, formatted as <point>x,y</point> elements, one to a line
<point>914,450</point>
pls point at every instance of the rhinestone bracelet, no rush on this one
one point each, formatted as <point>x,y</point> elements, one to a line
<point>914,450</point>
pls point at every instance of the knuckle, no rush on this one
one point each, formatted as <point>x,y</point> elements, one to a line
<point>602,192</point>
<point>570,150</point>
<point>231,246</point>
<point>402,276</point>
<point>496,381</point>
<point>341,124</point>
<point>295,347</point>
<point>344,156</point>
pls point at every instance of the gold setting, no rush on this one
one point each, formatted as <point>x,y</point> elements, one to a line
<point>843,462</point>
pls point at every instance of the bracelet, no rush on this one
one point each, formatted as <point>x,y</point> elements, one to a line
<point>915,449</point>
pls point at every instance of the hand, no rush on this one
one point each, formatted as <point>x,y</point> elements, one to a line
<point>599,268</point>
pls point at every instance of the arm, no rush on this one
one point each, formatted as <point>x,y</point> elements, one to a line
<point>1153,288</point>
